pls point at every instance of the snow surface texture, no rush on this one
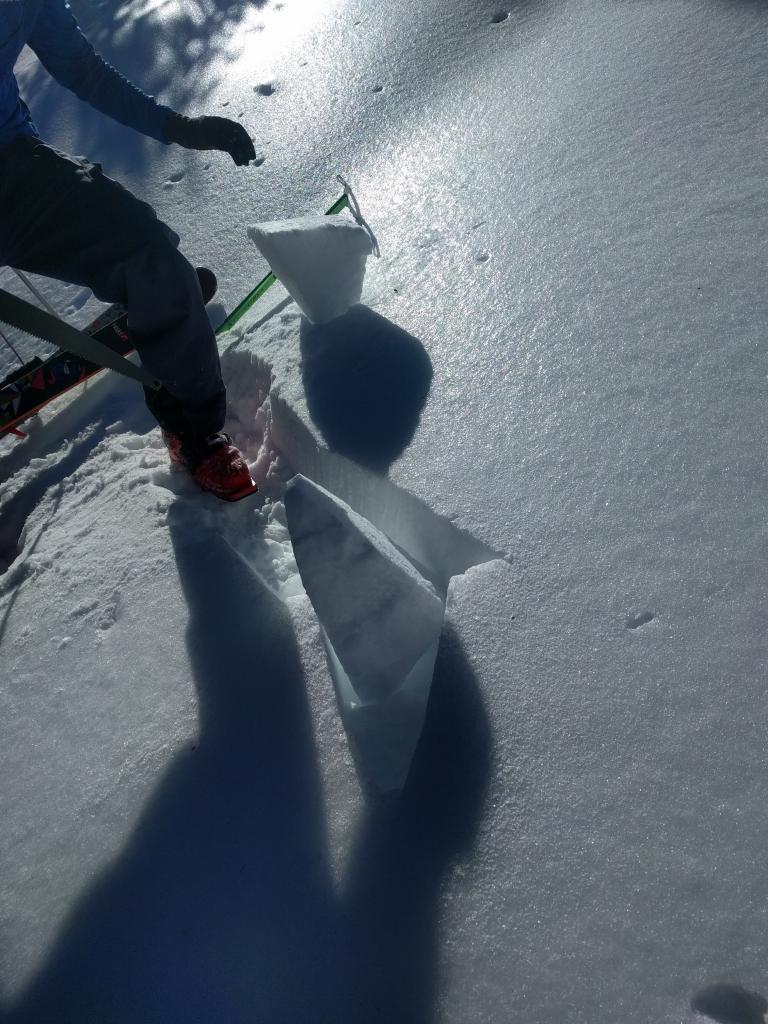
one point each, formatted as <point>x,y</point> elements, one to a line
<point>320,260</point>
<point>570,202</point>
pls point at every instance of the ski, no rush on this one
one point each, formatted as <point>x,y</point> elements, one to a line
<point>29,388</point>
<point>38,382</point>
<point>48,327</point>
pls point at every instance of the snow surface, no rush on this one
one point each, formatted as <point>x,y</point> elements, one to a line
<point>565,339</point>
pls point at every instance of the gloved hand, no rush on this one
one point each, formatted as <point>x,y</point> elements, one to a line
<point>210,133</point>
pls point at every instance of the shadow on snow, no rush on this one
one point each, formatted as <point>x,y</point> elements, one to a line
<point>222,906</point>
<point>169,50</point>
<point>366,382</point>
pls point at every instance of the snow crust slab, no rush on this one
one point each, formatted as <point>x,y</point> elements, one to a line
<point>379,612</point>
<point>320,260</point>
<point>383,734</point>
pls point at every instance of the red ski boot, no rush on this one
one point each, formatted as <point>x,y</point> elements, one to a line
<point>215,464</point>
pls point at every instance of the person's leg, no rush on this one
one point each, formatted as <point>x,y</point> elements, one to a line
<point>60,216</point>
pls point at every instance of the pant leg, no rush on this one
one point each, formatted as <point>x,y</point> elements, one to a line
<point>62,217</point>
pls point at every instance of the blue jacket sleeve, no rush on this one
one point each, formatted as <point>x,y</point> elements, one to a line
<point>65,52</point>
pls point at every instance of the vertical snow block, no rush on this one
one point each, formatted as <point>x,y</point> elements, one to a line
<point>383,735</point>
<point>379,613</point>
<point>319,260</point>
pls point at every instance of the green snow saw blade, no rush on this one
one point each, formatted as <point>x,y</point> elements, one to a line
<point>40,324</point>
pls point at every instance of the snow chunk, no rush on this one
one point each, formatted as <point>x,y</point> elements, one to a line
<point>379,613</point>
<point>319,260</point>
<point>383,735</point>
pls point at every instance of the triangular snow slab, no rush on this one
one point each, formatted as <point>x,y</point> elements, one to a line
<point>379,613</point>
<point>319,260</point>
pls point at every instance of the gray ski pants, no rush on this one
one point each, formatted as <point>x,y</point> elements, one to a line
<point>62,217</point>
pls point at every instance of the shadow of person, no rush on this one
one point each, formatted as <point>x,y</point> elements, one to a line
<point>222,906</point>
<point>366,382</point>
<point>404,849</point>
<point>219,906</point>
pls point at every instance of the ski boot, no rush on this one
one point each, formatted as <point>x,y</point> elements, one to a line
<point>215,464</point>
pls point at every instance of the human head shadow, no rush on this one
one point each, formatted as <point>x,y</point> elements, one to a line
<point>222,907</point>
<point>366,381</point>
<point>730,1004</point>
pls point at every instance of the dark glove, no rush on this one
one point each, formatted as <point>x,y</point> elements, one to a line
<point>210,133</point>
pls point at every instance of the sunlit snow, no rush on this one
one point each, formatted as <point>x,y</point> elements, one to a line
<point>551,399</point>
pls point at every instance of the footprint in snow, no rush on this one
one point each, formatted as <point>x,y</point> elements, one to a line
<point>109,614</point>
<point>482,257</point>
<point>636,621</point>
<point>378,88</point>
<point>173,179</point>
<point>83,609</point>
<point>499,17</point>
<point>265,89</point>
<point>78,302</point>
<point>258,161</point>
<point>430,238</point>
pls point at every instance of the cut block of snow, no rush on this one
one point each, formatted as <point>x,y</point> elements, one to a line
<point>319,260</point>
<point>383,735</point>
<point>380,614</point>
